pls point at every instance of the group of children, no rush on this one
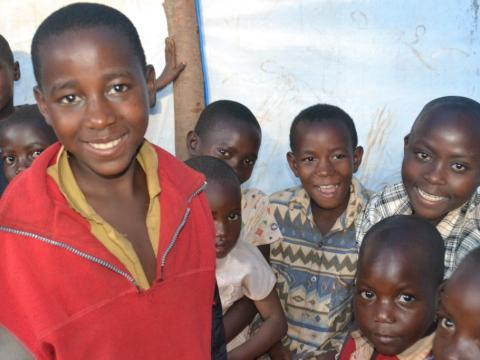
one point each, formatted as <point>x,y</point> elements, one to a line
<point>113,248</point>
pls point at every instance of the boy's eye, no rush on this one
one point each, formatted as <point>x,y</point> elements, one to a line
<point>457,167</point>
<point>339,156</point>
<point>70,99</point>
<point>422,156</point>
<point>406,299</point>
<point>224,152</point>
<point>249,162</point>
<point>9,159</point>
<point>447,323</point>
<point>367,295</point>
<point>118,89</point>
<point>36,153</point>
<point>233,217</point>
<point>308,159</point>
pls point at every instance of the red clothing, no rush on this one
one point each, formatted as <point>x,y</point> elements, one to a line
<point>66,297</point>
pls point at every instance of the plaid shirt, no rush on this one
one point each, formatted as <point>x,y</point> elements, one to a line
<point>315,272</point>
<point>459,228</point>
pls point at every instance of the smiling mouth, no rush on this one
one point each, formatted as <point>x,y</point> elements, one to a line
<point>430,197</point>
<point>107,145</point>
<point>327,190</point>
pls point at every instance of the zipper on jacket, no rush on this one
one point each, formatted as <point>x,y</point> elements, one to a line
<point>73,250</point>
<point>179,228</point>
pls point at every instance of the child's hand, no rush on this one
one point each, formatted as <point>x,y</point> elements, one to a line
<point>279,352</point>
<point>172,69</point>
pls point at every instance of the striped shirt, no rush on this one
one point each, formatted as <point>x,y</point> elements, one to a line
<point>459,228</point>
<point>315,272</point>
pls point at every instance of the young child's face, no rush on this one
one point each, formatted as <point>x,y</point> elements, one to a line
<point>20,145</point>
<point>95,94</point>
<point>458,329</point>
<point>225,203</point>
<point>235,143</point>
<point>325,162</point>
<point>393,307</point>
<point>441,165</point>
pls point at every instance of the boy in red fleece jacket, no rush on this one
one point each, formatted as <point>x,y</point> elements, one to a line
<point>107,239</point>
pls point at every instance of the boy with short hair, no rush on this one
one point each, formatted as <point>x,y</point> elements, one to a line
<point>458,330</point>
<point>400,269</point>
<point>109,238</point>
<point>23,137</point>
<point>315,260</point>
<point>440,177</point>
<point>241,269</point>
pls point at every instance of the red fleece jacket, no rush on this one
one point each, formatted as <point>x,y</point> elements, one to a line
<point>66,297</point>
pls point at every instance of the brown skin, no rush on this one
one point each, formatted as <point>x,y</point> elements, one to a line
<point>231,141</point>
<point>20,145</point>
<point>8,75</point>
<point>393,306</point>
<point>94,93</point>
<point>441,158</point>
<point>171,70</point>
<point>458,331</point>
<point>325,156</point>
<point>225,203</point>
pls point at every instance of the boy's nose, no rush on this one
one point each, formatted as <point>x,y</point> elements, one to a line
<point>435,174</point>
<point>23,164</point>
<point>99,113</point>
<point>219,229</point>
<point>324,167</point>
<point>384,313</point>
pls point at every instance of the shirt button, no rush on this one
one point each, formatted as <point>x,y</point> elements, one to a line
<point>313,278</point>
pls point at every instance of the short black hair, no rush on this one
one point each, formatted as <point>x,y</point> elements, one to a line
<point>80,16</point>
<point>450,103</point>
<point>28,115</point>
<point>225,110</point>
<point>411,233</point>
<point>319,113</point>
<point>5,51</point>
<point>215,170</point>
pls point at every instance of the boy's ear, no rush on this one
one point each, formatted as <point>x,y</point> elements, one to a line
<point>193,143</point>
<point>150,77</point>
<point>292,162</point>
<point>405,140</point>
<point>16,71</point>
<point>41,103</point>
<point>357,158</point>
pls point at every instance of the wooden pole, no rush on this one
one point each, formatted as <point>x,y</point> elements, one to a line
<point>188,91</point>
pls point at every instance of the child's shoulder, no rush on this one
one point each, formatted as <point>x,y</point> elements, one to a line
<point>288,195</point>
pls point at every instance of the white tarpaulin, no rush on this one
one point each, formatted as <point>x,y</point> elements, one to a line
<point>379,60</point>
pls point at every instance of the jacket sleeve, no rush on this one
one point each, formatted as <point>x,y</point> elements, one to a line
<point>219,351</point>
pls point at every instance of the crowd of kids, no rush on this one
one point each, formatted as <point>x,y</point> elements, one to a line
<point>114,249</point>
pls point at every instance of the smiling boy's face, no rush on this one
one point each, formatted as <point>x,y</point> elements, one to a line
<point>393,306</point>
<point>324,160</point>
<point>95,94</point>
<point>441,165</point>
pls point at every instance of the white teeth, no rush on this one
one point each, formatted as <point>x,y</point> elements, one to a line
<point>430,197</point>
<point>106,146</point>
<point>325,187</point>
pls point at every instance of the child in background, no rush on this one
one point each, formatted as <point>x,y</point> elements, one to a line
<point>315,260</point>
<point>458,331</point>
<point>9,73</point>
<point>400,269</point>
<point>110,255</point>
<point>23,136</point>
<point>229,131</point>
<point>440,176</point>
<point>241,269</point>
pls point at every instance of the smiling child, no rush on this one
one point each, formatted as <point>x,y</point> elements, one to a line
<point>440,177</point>
<point>110,255</point>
